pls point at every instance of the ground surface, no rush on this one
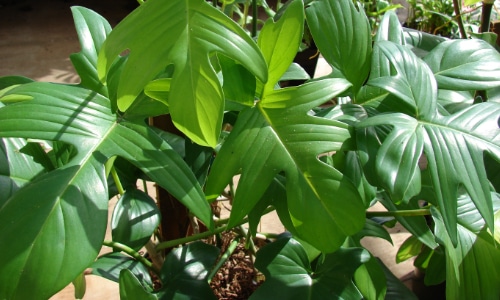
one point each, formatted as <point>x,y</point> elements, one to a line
<point>36,39</point>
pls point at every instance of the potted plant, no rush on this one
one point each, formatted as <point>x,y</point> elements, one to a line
<point>404,129</point>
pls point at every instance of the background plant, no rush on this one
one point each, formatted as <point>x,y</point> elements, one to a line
<point>404,129</point>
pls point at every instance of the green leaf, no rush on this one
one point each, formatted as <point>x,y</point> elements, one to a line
<point>411,247</point>
<point>71,202</point>
<point>370,280</point>
<point>396,290</point>
<point>373,229</point>
<point>417,226</point>
<point>471,265</point>
<point>92,30</point>
<point>422,42</point>
<point>16,168</point>
<point>131,288</point>
<point>343,35</point>
<point>194,30</point>
<point>287,269</point>
<point>453,145</point>
<point>135,218</point>
<point>110,265</point>
<point>239,84</point>
<point>413,82</point>
<point>53,226</point>
<point>465,65</point>
<point>390,29</point>
<point>290,141</point>
<point>184,273</point>
<point>279,41</point>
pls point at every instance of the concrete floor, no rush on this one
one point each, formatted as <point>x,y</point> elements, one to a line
<point>36,39</point>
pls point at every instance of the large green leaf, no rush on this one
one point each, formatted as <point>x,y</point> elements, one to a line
<point>472,266</point>
<point>70,204</point>
<point>92,31</point>
<point>465,65</point>
<point>287,269</point>
<point>183,33</point>
<point>277,136</point>
<point>453,145</point>
<point>343,35</point>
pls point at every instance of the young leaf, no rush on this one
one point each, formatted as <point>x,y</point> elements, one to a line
<point>278,136</point>
<point>279,41</point>
<point>194,30</point>
<point>135,218</point>
<point>92,30</point>
<point>343,35</point>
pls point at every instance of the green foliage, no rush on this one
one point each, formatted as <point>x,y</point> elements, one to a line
<point>404,128</point>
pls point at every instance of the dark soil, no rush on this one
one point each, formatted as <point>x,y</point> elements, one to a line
<point>237,278</point>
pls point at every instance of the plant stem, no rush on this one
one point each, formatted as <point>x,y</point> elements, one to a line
<point>131,252</point>
<point>191,238</point>
<point>224,258</point>
<point>458,15</point>
<point>254,18</point>
<point>140,1</point>
<point>202,235</point>
<point>118,183</point>
<point>485,16</point>
<point>399,213</point>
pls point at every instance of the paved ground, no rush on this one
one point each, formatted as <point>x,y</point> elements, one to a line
<point>36,39</point>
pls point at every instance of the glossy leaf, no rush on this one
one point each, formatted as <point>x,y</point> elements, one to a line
<point>184,273</point>
<point>279,41</point>
<point>110,265</point>
<point>135,218</point>
<point>411,247</point>
<point>16,167</point>
<point>92,30</point>
<point>343,35</point>
<point>287,269</point>
<point>74,208</point>
<point>194,30</point>
<point>465,65</point>
<point>471,265</point>
<point>453,145</point>
<point>131,288</point>
<point>370,280</point>
<point>290,141</point>
<point>53,226</point>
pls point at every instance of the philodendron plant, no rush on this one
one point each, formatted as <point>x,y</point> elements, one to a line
<point>396,122</point>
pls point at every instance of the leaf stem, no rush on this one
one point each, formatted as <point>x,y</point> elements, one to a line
<point>224,258</point>
<point>399,213</point>
<point>126,249</point>
<point>205,234</point>
<point>118,183</point>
